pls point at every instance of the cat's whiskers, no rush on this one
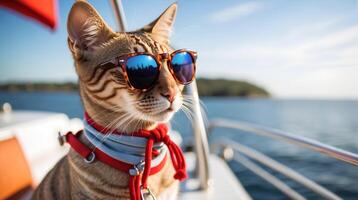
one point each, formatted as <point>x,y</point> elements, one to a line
<point>116,123</point>
<point>105,112</point>
<point>191,100</point>
<point>187,106</point>
<point>110,126</point>
<point>188,101</point>
<point>190,105</point>
<point>187,112</point>
<point>125,122</point>
<point>122,119</point>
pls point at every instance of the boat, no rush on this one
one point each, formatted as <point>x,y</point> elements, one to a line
<point>32,139</point>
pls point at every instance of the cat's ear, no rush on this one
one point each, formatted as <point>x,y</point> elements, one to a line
<point>86,28</point>
<point>161,28</point>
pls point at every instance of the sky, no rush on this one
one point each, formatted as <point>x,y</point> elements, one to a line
<point>294,49</point>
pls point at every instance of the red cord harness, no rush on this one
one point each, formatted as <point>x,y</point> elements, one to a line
<point>136,183</point>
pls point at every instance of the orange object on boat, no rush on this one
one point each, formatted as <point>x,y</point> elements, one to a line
<point>44,11</point>
<point>15,179</point>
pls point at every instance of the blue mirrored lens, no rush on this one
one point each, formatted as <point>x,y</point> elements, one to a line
<point>142,71</point>
<point>183,67</point>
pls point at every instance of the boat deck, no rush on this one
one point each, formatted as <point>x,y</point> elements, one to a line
<point>224,184</point>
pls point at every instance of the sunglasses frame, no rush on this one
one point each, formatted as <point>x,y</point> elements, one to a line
<point>122,60</point>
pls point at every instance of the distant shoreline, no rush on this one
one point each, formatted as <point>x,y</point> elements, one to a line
<point>206,87</point>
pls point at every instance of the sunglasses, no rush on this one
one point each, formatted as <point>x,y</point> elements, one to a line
<point>141,70</point>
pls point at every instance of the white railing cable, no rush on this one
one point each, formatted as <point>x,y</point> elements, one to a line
<point>328,150</point>
<point>284,188</point>
<point>288,172</point>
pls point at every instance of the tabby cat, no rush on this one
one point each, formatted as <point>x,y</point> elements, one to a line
<point>108,100</point>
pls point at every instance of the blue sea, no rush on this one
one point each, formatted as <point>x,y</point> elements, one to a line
<point>331,122</point>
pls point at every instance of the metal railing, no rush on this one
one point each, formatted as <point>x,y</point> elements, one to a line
<point>201,145</point>
<point>280,185</point>
<point>273,164</point>
<point>119,14</point>
<point>328,150</point>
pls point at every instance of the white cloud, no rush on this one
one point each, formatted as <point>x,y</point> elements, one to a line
<point>337,47</point>
<point>334,83</point>
<point>324,65</point>
<point>313,28</point>
<point>332,40</point>
<point>236,12</point>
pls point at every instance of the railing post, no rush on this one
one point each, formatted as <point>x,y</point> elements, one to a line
<point>201,146</point>
<point>119,14</point>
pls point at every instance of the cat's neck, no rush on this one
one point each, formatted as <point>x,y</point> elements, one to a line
<point>111,120</point>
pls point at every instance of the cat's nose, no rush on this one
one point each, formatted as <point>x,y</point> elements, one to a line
<point>169,94</point>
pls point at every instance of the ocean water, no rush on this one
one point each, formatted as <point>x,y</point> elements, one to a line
<point>331,122</point>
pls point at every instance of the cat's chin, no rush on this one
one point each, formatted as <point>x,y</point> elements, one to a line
<point>163,116</point>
